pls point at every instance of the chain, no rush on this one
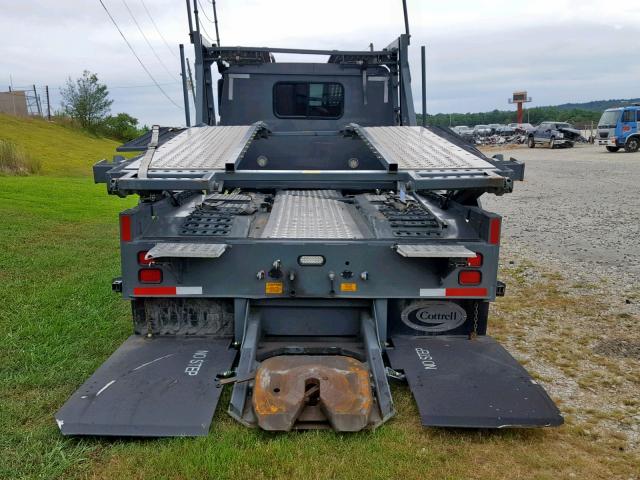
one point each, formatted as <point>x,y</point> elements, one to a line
<point>474,332</point>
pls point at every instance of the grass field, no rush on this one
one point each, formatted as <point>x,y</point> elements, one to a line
<point>64,151</point>
<point>58,239</point>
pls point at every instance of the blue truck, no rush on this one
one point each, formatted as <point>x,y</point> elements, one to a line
<point>619,128</point>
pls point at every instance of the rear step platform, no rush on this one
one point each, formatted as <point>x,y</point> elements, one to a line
<point>151,387</point>
<point>458,382</point>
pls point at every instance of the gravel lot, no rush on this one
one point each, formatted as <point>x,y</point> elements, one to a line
<point>578,210</point>
<point>571,257</point>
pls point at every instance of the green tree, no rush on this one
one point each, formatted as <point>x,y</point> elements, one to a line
<point>86,100</point>
<point>122,127</point>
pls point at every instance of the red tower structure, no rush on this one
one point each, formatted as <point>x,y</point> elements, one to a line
<point>519,98</point>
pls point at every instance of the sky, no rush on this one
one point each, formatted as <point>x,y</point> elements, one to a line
<point>478,52</point>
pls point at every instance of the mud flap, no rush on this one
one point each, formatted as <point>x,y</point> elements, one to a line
<point>164,386</point>
<point>458,382</point>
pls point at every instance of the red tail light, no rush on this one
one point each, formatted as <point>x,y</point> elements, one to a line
<point>125,228</point>
<point>142,260</point>
<point>469,277</point>
<point>494,231</point>
<point>475,261</point>
<point>150,275</point>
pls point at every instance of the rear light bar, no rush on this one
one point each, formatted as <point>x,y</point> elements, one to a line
<point>150,275</point>
<point>475,261</point>
<point>470,277</point>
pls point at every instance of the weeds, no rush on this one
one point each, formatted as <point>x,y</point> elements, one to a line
<point>15,161</point>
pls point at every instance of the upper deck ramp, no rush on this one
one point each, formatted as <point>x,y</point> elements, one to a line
<point>407,148</point>
<point>417,148</point>
<point>204,148</point>
<point>208,158</point>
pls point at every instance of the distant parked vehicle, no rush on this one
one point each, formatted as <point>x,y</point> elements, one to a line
<point>482,130</point>
<point>460,129</point>
<point>619,128</point>
<point>495,127</point>
<point>554,134</point>
<point>522,127</point>
<point>506,131</point>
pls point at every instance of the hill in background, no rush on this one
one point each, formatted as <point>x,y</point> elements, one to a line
<point>598,105</point>
<point>583,115</point>
<point>60,150</point>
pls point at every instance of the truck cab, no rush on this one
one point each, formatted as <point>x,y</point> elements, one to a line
<point>618,128</point>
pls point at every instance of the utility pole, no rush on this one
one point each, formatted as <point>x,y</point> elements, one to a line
<point>424,86</point>
<point>46,89</point>
<point>185,92</point>
<point>193,91</point>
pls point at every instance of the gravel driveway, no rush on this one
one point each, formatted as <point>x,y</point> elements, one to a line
<point>571,259</point>
<point>578,210</point>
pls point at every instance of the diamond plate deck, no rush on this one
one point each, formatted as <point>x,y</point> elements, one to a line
<point>204,148</point>
<point>417,148</point>
<point>310,214</point>
<point>434,251</point>
<point>187,250</point>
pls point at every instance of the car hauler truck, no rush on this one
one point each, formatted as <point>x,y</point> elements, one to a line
<point>620,128</point>
<point>304,249</point>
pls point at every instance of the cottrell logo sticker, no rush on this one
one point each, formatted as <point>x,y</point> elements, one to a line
<point>434,317</point>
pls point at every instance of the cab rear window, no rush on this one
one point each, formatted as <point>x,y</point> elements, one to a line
<point>308,100</point>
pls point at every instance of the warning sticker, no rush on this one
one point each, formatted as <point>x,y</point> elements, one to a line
<point>273,288</point>
<point>348,287</point>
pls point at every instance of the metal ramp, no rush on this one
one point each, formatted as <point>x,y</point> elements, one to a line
<point>163,386</point>
<point>458,382</point>
<point>205,148</point>
<point>418,148</point>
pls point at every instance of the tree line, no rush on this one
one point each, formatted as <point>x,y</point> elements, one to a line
<point>86,104</point>
<point>536,115</point>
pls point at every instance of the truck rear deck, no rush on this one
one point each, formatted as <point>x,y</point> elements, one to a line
<point>305,259</point>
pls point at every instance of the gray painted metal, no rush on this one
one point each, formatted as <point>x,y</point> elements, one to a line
<point>163,386</point>
<point>372,345</point>
<point>204,148</point>
<point>434,251</point>
<point>417,148</point>
<point>186,250</point>
<point>246,365</point>
<point>310,214</point>
<point>458,382</point>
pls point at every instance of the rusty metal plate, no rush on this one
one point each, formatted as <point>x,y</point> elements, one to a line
<point>291,390</point>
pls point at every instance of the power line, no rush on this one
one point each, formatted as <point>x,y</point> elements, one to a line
<point>203,12</point>
<point>136,55</point>
<point>124,2</point>
<point>214,21</point>
<point>158,30</point>
<point>204,33</point>
<point>199,24</point>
